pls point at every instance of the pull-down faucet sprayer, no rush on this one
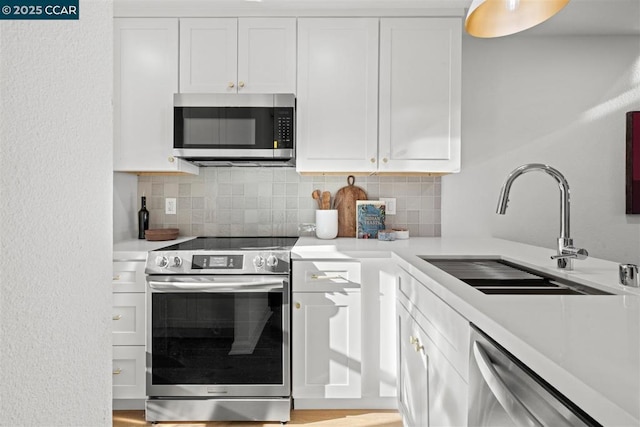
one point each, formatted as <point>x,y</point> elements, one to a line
<point>566,252</point>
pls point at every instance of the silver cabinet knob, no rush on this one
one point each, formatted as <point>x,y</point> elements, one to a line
<point>231,85</point>
<point>240,84</point>
<point>373,160</point>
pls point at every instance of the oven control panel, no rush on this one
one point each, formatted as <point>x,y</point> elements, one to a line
<point>217,262</point>
<point>192,262</point>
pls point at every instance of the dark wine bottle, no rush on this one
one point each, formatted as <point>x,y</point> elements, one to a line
<point>143,219</point>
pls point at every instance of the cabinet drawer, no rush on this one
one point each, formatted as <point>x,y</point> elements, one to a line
<point>128,276</point>
<point>128,372</point>
<point>318,276</point>
<point>128,319</point>
<point>446,328</point>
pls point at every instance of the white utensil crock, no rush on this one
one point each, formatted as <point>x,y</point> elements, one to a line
<point>326,223</point>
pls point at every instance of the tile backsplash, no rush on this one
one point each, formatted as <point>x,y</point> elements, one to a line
<point>275,201</point>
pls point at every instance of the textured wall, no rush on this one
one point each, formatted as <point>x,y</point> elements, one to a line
<point>274,201</point>
<point>55,219</point>
<point>555,100</point>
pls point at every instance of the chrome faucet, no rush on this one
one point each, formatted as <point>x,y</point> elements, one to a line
<point>566,251</point>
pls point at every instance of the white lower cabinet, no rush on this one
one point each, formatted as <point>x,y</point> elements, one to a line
<point>379,362</point>
<point>326,345</point>
<point>343,334</point>
<point>325,332</point>
<point>413,372</point>
<point>128,372</point>
<point>128,329</point>
<point>431,388</point>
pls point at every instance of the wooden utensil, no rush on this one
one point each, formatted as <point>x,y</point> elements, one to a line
<point>345,203</point>
<point>326,200</point>
<point>316,197</point>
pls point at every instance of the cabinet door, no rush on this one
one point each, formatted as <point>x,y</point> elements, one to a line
<point>208,55</point>
<point>145,79</point>
<point>267,55</point>
<point>337,95</point>
<point>412,373</point>
<point>128,372</point>
<point>430,390</point>
<point>447,392</point>
<point>420,79</point>
<point>379,363</point>
<point>326,345</point>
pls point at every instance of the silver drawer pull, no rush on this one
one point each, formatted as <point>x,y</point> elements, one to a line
<point>117,317</point>
<point>117,371</point>
<point>116,277</point>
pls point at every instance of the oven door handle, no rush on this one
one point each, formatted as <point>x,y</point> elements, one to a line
<point>250,286</point>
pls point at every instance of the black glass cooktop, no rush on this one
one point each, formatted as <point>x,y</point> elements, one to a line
<point>234,243</point>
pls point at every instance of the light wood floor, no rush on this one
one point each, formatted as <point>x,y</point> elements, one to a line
<point>315,418</point>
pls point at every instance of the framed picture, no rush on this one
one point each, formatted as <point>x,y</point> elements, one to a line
<point>369,218</point>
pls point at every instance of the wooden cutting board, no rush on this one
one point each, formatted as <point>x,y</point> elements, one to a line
<point>345,202</point>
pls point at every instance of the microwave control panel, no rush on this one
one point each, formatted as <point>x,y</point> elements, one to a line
<point>283,127</point>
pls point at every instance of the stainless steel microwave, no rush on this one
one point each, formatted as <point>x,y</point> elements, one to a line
<point>230,129</point>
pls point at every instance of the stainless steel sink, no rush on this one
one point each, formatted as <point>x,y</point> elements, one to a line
<point>496,276</point>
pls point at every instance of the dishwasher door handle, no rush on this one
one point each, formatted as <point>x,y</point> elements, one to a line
<point>510,402</point>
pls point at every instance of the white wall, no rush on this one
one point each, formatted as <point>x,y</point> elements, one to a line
<point>56,219</point>
<point>555,100</point>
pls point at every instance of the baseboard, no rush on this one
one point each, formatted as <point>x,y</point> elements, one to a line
<point>390,403</point>
<point>128,404</point>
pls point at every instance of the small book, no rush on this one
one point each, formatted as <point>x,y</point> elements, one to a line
<point>369,218</point>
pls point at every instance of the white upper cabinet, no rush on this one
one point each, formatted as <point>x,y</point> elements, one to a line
<point>238,55</point>
<point>420,77</point>
<point>396,113</point>
<point>145,79</point>
<point>337,114</point>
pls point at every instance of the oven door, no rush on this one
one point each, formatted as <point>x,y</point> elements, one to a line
<point>218,336</point>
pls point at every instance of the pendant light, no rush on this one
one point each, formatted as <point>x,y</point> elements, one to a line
<point>497,18</point>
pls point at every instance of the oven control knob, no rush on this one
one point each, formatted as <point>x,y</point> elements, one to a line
<point>258,261</point>
<point>272,261</point>
<point>162,261</point>
<point>177,261</point>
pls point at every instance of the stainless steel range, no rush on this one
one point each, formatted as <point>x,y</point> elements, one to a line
<point>218,330</point>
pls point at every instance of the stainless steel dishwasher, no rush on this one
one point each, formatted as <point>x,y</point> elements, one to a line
<point>505,392</point>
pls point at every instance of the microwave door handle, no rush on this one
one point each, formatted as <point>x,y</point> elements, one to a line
<point>251,286</point>
<point>511,404</point>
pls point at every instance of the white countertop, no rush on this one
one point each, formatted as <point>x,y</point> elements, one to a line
<point>588,347</point>
<point>136,249</point>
